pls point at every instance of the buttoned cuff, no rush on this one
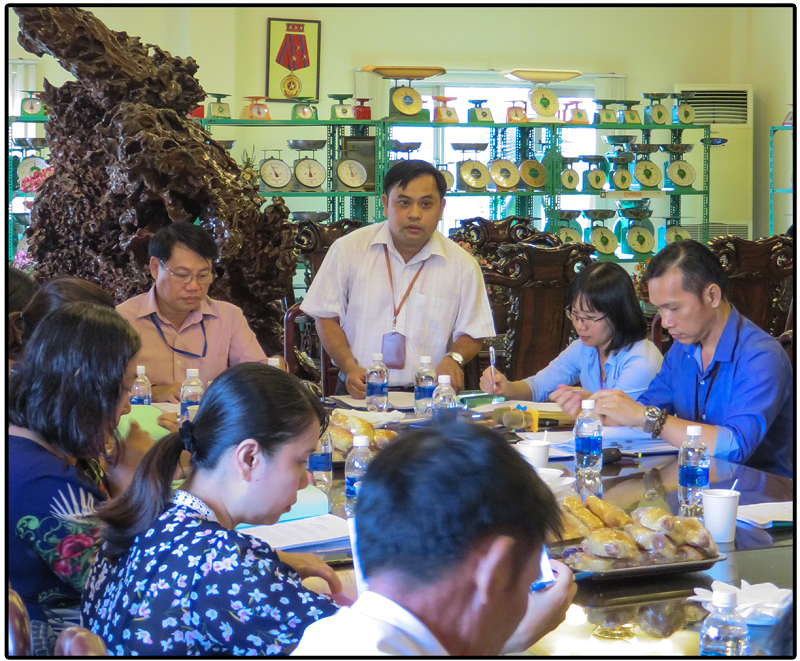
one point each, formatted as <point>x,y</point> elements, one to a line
<point>726,444</point>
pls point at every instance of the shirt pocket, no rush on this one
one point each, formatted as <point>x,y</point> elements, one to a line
<point>432,318</point>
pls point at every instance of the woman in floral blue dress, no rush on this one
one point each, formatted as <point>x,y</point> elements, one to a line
<point>173,576</point>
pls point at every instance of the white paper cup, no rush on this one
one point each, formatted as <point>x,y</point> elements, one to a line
<point>720,507</point>
<point>192,411</point>
<point>536,452</point>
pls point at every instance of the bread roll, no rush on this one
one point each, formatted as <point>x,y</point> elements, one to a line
<point>608,543</point>
<point>698,536</point>
<point>383,437</point>
<point>609,514</point>
<point>341,439</point>
<point>574,505</point>
<point>352,423</point>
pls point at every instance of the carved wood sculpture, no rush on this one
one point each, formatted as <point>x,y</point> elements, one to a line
<point>127,161</point>
<point>538,278</point>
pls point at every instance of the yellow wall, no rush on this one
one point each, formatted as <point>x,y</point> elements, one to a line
<point>657,47</point>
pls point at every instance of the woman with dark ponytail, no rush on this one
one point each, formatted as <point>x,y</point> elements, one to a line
<point>173,576</point>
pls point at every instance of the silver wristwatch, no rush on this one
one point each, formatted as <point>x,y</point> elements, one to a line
<point>456,356</point>
<point>651,416</point>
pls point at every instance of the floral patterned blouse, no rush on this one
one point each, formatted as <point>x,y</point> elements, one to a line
<point>190,587</point>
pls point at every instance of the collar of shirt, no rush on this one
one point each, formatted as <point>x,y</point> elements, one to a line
<point>372,604</point>
<point>186,499</point>
<point>727,343</point>
<point>150,305</point>
<point>434,246</point>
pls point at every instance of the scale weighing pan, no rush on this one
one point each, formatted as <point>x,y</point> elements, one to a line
<point>597,159</point>
<point>541,75</point>
<point>599,214</point>
<point>644,203</point>
<point>306,145</point>
<point>643,149</point>
<point>636,214</point>
<point>682,96</point>
<point>676,149</point>
<point>655,96</point>
<point>469,146</point>
<point>31,143</point>
<point>226,144</point>
<point>568,215</point>
<point>715,142</point>
<point>619,139</point>
<point>621,158</point>
<point>314,216</point>
<point>405,146</point>
<point>405,73</point>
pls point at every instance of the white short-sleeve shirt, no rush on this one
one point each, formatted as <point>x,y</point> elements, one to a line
<point>448,300</point>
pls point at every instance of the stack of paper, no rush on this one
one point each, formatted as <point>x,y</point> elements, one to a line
<point>401,401</point>
<point>318,533</point>
<point>767,515</point>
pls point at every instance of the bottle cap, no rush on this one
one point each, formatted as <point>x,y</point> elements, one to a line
<point>588,404</point>
<point>694,430</point>
<point>274,362</point>
<point>424,360</point>
<point>191,372</point>
<point>360,441</point>
<point>377,356</point>
<point>723,599</point>
<point>140,369</point>
<point>444,378</point>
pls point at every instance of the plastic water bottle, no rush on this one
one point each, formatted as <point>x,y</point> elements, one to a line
<point>354,469</point>
<point>377,384</point>
<point>588,439</point>
<point>141,392</point>
<point>693,463</point>
<point>191,392</point>
<point>424,385</point>
<point>444,397</point>
<point>724,632</point>
<point>320,463</point>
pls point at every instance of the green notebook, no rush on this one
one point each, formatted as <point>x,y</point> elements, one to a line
<point>147,417</point>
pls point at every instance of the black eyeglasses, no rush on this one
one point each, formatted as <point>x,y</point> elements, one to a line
<point>574,318</point>
<point>204,278</point>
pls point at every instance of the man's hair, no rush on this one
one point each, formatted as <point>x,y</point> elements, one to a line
<point>194,237</point>
<point>403,172</point>
<point>699,267</point>
<point>431,496</point>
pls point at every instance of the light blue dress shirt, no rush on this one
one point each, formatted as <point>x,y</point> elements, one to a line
<point>747,391</point>
<point>629,370</point>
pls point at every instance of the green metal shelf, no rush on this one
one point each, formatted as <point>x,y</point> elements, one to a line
<point>772,190</point>
<point>547,125</point>
<point>28,120</point>
<point>317,194</point>
<point>491,193</point>
<point>287,122</point>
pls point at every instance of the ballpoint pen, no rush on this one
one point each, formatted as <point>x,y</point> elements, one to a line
<point>495,399</point>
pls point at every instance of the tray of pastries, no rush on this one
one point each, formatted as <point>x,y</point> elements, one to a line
<point>344,425</point>
<point>601,541</point>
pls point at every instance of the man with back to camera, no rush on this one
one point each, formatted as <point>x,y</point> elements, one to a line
<point>358,298</point>
<point>180,326</point>
<point>723,372</point>
<point>450,525</point>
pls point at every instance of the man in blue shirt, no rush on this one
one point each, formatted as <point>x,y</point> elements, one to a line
<point>722,372</point>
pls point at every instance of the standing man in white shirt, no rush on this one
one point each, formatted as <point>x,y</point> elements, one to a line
<point>450,525</point>
<point>401,288</point>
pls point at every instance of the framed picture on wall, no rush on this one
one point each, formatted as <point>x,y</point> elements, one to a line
<point>292,59</point>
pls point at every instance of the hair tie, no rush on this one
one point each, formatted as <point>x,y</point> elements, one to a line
<point>187,436</point>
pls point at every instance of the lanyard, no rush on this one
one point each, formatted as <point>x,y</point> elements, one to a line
<point>182,353</point>
<point>391,284</point>
<point>700,407</point>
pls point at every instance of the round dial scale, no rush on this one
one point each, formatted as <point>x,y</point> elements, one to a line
<point>604,240</point>
<point>597,178</point>
<point>647,174</point>
<point>275,173</point>
<point>532,173</point>
<point>259,110</point>
<point>475,174</point>
<point>640,239</point>
<point>31,106</point>
<point>449,179</point>
<point>568,235</point>
<point>504,173</point>
<point>309,172</point>
<point>30,165</point>
<point>685,113</point>
<point>658,114</point>
<point>351,173</point>
<point>681,173</point>
<point>622,179</point>
<point>544,102</point>
<point>570,179</point>
<point>304,111</point>
<point>676,233</point>
<point>407,100</point>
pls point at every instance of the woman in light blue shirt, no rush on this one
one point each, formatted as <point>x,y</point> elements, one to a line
<point>611,351</point>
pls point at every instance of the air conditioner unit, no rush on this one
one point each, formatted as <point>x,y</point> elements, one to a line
<point>728,110</point>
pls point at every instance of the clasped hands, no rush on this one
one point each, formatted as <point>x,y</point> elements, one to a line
<point>356,376</point>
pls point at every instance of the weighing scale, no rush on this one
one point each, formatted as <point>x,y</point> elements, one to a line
<point>517,114</point>
<point>313,216</point>
<point>31,105</point>
<point>304,111</point>
<point>256,109</point>
<point>594,178</point>
<point>671,232</point>
<point>645,171</point>
<point>362,111</point>
<point>405,103</point>
<point>569,177</point>
<point>30,165</point>
<point>219,110</point>
<point>574,114</point>
<point>340,110</point>
<point>655,113</point>
<point>308,174</point>
<point>533,174</point>
<point>682,113</point>
<point>444,113</point>
<point>405,147</point>
<point>504,174</point>
<point>543,101</point>
<point>478,114</point>
<point>449,179</point>
<point>621,177</point>
<point>602,238</point>
<point>603,114</point>
<point>635,233</point>
<point>678,174</point>
<point>349,175</point>
<point>473,176</point>
<point>275,173</point>
<point>569,229</point>
<point>629,115</point>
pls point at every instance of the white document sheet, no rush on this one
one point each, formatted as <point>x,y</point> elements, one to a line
<point>315,530</point>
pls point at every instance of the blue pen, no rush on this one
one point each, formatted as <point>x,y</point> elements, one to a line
<point>546,576</point>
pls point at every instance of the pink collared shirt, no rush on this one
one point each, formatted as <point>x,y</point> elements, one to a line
<point>230,339</point>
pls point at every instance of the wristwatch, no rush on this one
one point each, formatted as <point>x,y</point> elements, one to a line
<point>651,416</point>
<point>456,356</point>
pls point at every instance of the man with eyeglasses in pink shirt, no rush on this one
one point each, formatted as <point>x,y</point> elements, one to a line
<point>180,326</point>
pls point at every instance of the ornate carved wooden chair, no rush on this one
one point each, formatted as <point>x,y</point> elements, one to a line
<point>537,278</point>
<point>313,240</point>
<point>19,626</point>
<point>79,641</point>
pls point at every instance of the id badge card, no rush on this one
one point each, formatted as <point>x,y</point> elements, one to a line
<point>394,350</point>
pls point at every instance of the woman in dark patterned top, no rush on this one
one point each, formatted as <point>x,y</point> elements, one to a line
<point>173,576</point>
